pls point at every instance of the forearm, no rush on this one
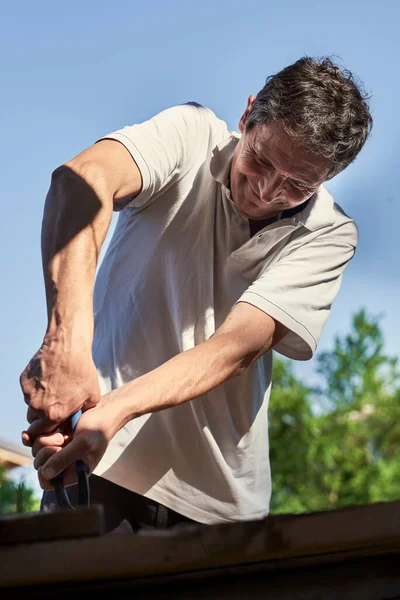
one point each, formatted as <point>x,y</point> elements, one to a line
<point>182,378</point>
<point>75,222</point>
<point>245,335</point>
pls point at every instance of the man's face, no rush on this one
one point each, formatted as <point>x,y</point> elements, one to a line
<point>272,171</point>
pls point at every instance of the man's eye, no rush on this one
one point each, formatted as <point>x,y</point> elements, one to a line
<point>301,186</point>
<point>262,163</point>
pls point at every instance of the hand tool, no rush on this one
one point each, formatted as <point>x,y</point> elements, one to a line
<point>83,478</point>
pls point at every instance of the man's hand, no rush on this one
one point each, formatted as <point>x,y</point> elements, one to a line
<point>56,383</point>
<point>57,453</point>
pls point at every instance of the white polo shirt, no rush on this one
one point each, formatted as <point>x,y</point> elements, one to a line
<point>180,258</point>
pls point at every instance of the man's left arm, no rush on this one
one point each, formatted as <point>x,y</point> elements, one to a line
<point>245,335</point>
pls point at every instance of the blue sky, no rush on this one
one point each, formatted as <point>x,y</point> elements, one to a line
<point>73,72</point>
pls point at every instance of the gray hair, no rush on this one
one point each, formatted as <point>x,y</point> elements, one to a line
<point>320,104</point>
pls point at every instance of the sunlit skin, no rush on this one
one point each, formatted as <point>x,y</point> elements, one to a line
<point>272,171</point>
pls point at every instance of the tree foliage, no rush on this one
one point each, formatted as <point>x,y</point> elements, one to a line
<point>338,444</point>
<point>14,497</point>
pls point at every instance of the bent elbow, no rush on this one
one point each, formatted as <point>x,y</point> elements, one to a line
<point>246,362</point>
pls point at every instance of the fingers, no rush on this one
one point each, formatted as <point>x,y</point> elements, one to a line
<point>70,477</point>
<point>26,440</point>
<point>32,414</point>
<point>69,474</point>
<point>56,439</point>
<point>43,457</point>
<point>59,460</point>
<point>38,427</point>
<point>42,426</point>
<point>90,403</point>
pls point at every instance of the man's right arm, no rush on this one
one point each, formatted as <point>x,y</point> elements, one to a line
<point>61,378</point>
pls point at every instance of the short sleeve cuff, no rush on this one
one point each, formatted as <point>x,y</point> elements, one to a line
<point>298,343</point>
<point>137,155</point>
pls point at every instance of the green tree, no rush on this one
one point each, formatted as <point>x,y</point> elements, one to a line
<point>14,497</point>
<point>291,434</point>
<point>339,444</point>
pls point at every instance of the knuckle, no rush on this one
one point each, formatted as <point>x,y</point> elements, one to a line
<point>44,484</point>
<point>36,429</point>
<point>26,442</point>
<point>44,455</point>
<point>57,462</point>
<point>40,459</point>
<point>39,444</point>
<point>35,402</point>
<point>55,413</point>
<point>31,415</point>
<point>26,387</point>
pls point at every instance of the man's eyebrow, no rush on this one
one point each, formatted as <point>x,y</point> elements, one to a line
<point>292,177</point>
<point>305,183</point>
<point>260,157</point>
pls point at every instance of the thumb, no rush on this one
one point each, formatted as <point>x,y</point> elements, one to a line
<point>59,462</point>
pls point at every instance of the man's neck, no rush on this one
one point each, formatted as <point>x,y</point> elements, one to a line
<point>257,225</point>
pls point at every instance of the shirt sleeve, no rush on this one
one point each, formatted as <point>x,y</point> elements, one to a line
<point>298,291</point>
<point>166,146</point>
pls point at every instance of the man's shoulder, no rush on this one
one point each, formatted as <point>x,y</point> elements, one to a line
<point>324,216</point>
<point>344,225</point>
<point>198,111</point>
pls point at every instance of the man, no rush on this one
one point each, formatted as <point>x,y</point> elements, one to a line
<point>226,246</point>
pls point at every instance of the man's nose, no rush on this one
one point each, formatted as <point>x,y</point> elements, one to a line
<point>270,186</point>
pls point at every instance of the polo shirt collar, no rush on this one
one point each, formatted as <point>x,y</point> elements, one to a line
<point>222,157</point>
<point>318,211</point>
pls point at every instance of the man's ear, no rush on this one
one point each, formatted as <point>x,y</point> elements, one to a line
<point>244,116</point>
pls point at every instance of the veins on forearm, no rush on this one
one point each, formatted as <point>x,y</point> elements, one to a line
<point>75,223</point>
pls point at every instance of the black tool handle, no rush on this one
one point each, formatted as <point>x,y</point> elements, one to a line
<point>83,479</point>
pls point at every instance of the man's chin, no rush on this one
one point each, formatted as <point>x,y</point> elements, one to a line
<point>254,212</point>
<point>251,210</point>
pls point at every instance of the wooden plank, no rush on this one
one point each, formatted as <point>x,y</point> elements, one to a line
<point>313,539</point>
<point>373,578</point>
<point>63,524</point>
